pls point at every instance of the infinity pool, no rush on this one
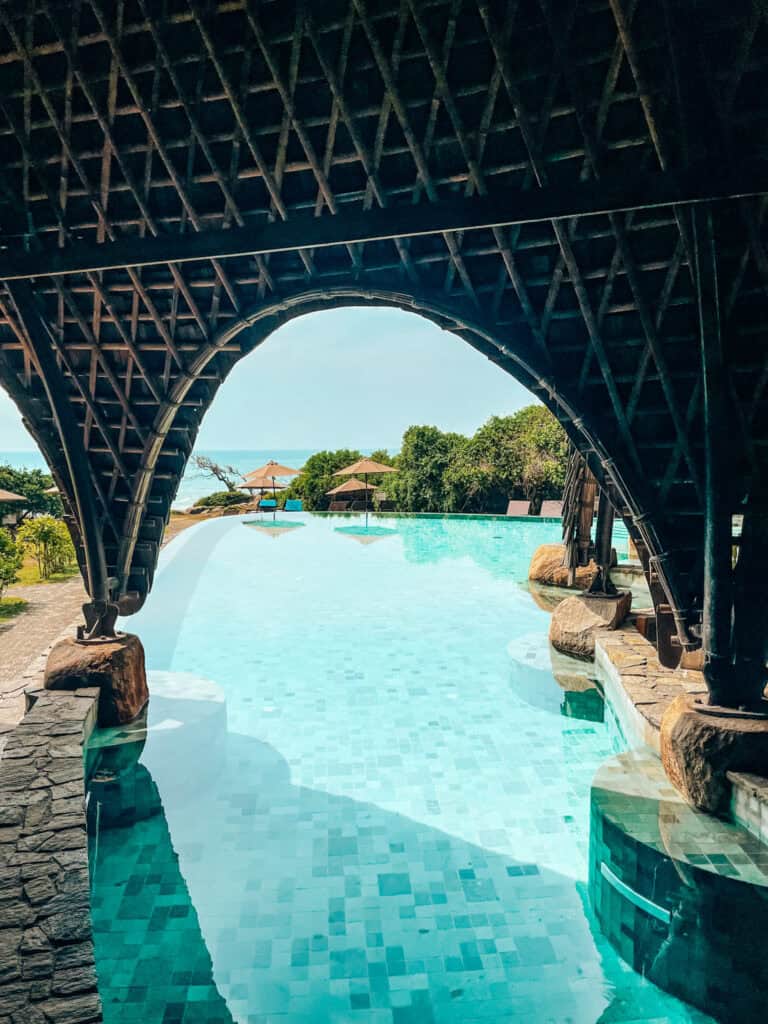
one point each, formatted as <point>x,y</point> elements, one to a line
<point>363,795</point>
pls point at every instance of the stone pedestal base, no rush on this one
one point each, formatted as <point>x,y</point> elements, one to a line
<point>575,622</point>
<point>700,743</point>
<point>115,665</point>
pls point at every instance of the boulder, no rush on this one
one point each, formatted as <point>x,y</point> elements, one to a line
<point>576,620</point>
<point>547,567</point>
<point>115,665</point>
<point>700,743</point>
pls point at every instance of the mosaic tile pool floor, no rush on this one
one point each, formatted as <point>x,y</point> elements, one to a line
<point>364,796</point>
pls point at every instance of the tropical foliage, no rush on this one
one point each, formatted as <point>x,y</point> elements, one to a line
<point>519,456</point>
<point>425,458</point>
<point>10,560</point>
<point>222,499</point>
<point>47,540</point>
<point>32,483</point>
<point>317,476</point>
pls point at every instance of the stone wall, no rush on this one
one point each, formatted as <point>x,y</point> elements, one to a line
<point>47,971</point>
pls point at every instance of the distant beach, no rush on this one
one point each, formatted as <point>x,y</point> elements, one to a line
<point>194,484</point>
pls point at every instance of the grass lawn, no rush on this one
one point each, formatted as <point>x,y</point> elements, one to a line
<point>28,573</point>
<point>10,607</point>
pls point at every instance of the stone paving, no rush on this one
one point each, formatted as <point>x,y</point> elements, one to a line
<point>641,682</point>
<point>47,970</point>
<point>53,609</point>
<point>53,612</point>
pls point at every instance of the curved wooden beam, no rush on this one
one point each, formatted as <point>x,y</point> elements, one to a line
<point>81,486</point>
<point>353,226</point>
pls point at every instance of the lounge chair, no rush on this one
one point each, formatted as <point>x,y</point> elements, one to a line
<point>293,505</point>
<point>267,505</point>
<point>518,508</point>
<point>338,506</point>
<point>552,509</point>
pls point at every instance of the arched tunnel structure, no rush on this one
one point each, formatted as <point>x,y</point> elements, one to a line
<point>578,190</point>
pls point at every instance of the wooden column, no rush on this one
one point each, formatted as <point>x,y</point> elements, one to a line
<point>718,576</point>
<point>604,545</point>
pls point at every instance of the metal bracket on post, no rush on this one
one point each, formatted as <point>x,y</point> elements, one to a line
<point>100,618</point>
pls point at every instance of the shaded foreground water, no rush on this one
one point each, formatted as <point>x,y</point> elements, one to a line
<point>363,795</point>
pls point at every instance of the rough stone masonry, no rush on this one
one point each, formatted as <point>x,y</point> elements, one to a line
<point>47,970</point>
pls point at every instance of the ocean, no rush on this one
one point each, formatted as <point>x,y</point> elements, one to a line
<point>194,484</point>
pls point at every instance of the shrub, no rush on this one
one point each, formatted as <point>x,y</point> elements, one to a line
<point>48,541</point>
<point>221,499</point>
<point>32,483</point>
<point>10,560</point>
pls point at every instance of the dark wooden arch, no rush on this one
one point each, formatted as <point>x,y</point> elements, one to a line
<point>579,189</point>
<point>593,436</point>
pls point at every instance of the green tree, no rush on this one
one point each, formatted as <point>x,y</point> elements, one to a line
<point>543,446</point>
<point>522,455</point>
<point>470,482</point>
<point>424,458</point>
<point>227,475</point>
<point>48,541</point>
<point>316,478</point>
<point>10,560</point>
<point>32,483</point>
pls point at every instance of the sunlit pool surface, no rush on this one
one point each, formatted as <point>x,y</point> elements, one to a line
<point>363,795</point>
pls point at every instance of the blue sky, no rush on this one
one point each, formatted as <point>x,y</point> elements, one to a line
<point>343,378</point>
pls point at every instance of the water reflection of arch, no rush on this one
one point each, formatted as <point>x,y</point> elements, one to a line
<point>244,874</point>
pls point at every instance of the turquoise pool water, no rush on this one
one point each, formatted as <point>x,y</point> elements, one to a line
<point>363,794</point>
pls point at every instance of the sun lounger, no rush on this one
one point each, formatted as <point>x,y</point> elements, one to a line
<point>338,506</point>
<point>293,505</point>
<point>552,509</point>
<point>518,508</point>
<point>267,505</point>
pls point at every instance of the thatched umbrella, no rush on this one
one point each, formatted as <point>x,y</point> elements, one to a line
<point>10,497</point>
<point>351,486</point>
<point>261,484</point>
<point>270,470</point>
<point>364,467</point>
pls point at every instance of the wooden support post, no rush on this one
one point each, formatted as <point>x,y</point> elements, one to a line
<point>587,498</point>
<point>718,577</point>
<point>604,546</point>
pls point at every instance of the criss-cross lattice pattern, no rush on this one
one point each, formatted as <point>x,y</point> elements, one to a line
<point>146,118</point>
